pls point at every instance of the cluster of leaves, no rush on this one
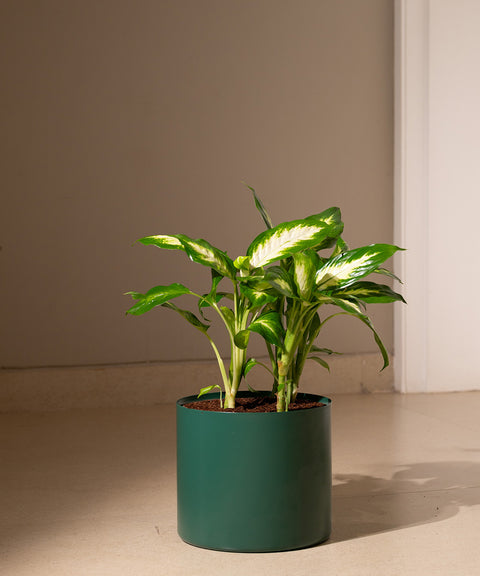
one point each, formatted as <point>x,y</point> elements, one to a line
<point>277,290</point>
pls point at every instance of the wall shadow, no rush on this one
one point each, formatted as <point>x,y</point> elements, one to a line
<point>417,494</point>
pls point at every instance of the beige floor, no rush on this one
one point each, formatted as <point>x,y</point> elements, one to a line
<point>92,492</point>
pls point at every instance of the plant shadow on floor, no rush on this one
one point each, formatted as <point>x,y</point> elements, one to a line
<point>416,494</point>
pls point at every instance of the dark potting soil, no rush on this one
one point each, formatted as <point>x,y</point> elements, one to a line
<point>254,404</point>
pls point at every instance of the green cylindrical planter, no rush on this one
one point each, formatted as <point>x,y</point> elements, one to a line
<point>254,482</point>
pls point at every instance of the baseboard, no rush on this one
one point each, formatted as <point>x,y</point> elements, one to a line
<point>44,389</point>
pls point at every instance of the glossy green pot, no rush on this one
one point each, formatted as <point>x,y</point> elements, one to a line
<point>254,482</point>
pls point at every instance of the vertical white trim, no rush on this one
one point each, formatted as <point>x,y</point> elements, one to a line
<point>411,191</point>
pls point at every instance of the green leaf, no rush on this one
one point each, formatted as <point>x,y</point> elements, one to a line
<point>189,316</point>
<point>207,300</point>
<point>314,327</point>
<point>340,247</point>
<point>320,361</point>
<point>324,351</point>
<point>242,263</point>
<point>386,272</point>
<point>370,292</point>
<point>251,363</point>
<point>208,389</point>
<point>212,297</point>
<point>349,305</point>
<point>269,326</point>
<point>354,310</point>
<point>261,208</point>
<point>304,269</point>
<point>156,297</point>
<point>203,252</point>
<point>280,280</point>
<point>257,298</point>
<point>290,237</point>
<point>346,268</point>
<point>241,339</point>
<point>135,295</point>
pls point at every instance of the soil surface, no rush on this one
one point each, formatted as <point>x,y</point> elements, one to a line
<point>258,404</point>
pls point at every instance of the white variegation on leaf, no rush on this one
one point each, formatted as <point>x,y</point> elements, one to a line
<point>257,297</point>
<point>269,326</point>
<point>304,273</point>
<point>286,239</point>
<point>370,292</point>
<point>203,252</point>
<point>330,216</point>
<point>348,267</point>
<point>169,242</point>
<point>280,280</point>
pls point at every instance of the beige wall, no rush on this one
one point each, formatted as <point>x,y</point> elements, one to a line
<point>126,118</point>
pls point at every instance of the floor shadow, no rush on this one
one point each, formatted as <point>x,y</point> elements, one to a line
<point>416,494</point>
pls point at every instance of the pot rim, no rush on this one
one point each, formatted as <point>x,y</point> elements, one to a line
<point>326,402</point>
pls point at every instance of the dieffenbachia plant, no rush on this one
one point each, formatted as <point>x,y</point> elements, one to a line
<point>304,281</point>
<point>254,299</point>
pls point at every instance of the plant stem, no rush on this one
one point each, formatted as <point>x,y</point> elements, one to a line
<point>221,365</point>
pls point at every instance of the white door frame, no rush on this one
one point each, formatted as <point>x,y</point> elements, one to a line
<point>411,191</point>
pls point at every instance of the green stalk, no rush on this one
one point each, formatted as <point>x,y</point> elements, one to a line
<point>221,365</point>
<point>303,348</point>
<point>238,355</point>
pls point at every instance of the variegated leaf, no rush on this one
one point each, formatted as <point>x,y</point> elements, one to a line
<point>304,268</point>
<point>199,251</point>
<point>203,252</point>
<point>329,216</point>
<point>347,304</point>
<point>288,238</point>
<point>280,280</point>
<point>333,218</point>
<point>257,297</point>
<point>170,242</point>
<point>156,297</point>
<point>370,292</point>
<point>241,263</point>
<point>340,247</point>
<point>346,268</point>
<point>268,325</point>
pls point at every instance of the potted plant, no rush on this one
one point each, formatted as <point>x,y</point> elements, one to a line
<point>261,481</point>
